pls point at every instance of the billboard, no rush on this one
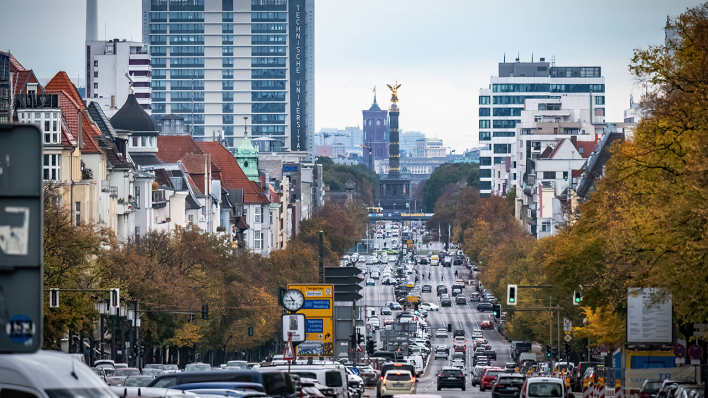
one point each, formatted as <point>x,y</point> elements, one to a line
<point>648,322</point>
<point>319,313</point>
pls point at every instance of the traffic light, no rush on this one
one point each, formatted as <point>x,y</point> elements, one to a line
<point>370,347</point>
<point>567,349</point>
<point>548,350</point>
<point>415,310</point>
<point>353,340</point>
<point>511,294</point>
<point>205,311</point>
<point>497,311</point>
<point>115,299</point>
<point>53,298</point>
<point>577,297</point>
<point>554,352</point>
<point>250,330</point>
<point>359,338</point>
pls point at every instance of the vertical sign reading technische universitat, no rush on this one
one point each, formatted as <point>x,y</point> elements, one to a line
<point>298,64</point>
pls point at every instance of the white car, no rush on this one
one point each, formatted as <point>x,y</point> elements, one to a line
<point>429,307</point>
<point>441,333</point>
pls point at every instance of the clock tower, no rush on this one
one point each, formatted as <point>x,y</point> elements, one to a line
<point>247,156</point>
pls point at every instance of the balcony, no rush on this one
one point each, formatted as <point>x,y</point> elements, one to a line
<point>105,185</point>
<point>158,199</point>
<point>37,101</point>
<point>113,192</point>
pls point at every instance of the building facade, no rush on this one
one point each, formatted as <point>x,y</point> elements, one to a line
<point>501,104</point>
<point>217,61</point>
<point>106,66</point>
<point>375,136</point>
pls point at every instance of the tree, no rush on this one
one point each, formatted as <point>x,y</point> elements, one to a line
<point>448,173</point>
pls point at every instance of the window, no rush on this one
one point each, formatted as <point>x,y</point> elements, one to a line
<point>581,150</point>
<point>227,85</point>
<point>95,63</point>
<point>502,148</point>
<point>95,85</point>
<point>271,217</point>
<point>257,215</point>
<point>505,124</point>
<point>508,111</point>
<point>504,133</point>
<point>484,112</point>
<point>484,100</point>
<point>485,161</point>
<point>549,175</point>
<point>485,173</point>
<point>77,213</point>
<point>52,167</point>
<point>485,185</point>
<point>95,74</point>
<point>549,107</point>
<point>227,16</point>
<point>137,196</point>
<point>600,100</point>
<point>227,28</point>
<point>565,175</point>
<point>567,130</point>
<point>485,136</point>
<point>484,124</point>
<point>257,240</point>
<point>545,227</point>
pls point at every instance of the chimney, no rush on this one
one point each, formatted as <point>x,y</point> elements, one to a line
<point>113,102</point>
<point>91,20</point>
<point>81,131</point>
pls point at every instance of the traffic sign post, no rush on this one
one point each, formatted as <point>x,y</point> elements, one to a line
<point>679,351</point>
<point>695,352</point>
<point>21,239</point>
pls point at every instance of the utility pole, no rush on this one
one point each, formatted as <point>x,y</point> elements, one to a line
<point>321,265</point>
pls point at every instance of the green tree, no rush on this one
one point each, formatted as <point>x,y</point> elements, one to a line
<point>448,173</point>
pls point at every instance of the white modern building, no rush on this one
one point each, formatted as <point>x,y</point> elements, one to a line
<point>217,61</point>
<point>108,66</point>
<point>501,105</point>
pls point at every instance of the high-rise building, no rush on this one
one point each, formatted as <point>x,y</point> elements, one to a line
<point>408,142</point>
<point>216,61</point>
<point>501,104</point>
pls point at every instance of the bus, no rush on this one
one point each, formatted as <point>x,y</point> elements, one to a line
<point>375,211</point>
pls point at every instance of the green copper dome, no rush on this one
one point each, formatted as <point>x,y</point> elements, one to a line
<point>247,158</point>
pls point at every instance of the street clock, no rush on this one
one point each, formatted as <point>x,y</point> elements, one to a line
<point>293,300</point>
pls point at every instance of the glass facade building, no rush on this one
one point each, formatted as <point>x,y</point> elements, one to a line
<point>500,107</point>
<point>216,62</point>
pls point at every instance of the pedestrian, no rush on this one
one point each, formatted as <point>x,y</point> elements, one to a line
<point>455,273</point>
<point>428,275</point>
<point>442,277</point>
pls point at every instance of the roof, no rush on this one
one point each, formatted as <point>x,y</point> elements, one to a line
<point>145,158</point>
<point>14,63</point>
<point>173,148</point>
<point>546,153</point>
<point>588,147</point>
<point>374,106</point>
<point>70,113</point>
<point>231,175</point>
<point>558,145</point>
<point>162,178</point>
<point>61,82</point>
<point>132,117</point>
<point>101,120</point>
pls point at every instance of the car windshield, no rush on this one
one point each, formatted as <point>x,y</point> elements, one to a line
<point>154,366</point>
<point>511,381</point>
<point>451,372</point>
<point>171,367</point>
<point>652,386</point>
<point>138,381</point>
<point>193,367</point>
<point>126,372</point>
<point>398,377</point>
<point>493,372</point>
<point>542,389</point>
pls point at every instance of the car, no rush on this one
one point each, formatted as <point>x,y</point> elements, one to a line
<point>577,377</point>
<point>374,322</point>
<point>460,356</point>
<point>480,360</point>
<point>508,386</point>
<point>477,374</point>
<point>386,311</point>
<point>441,333</point>
<point>395,306</point>
<point>429,307</point>
<point>490,353</point>
<point>459,364</point>
<point>394,367</point>
<point>441,352</point>
<point>477,334</point>
<point>460,300</point>
<point>460,347</point>
<point>427,289</point>
<point>450,377</point>
<point>460,340</point>
<point>482,307</point>
<point>370,282</point>
<point>457,261</point>
<point>456,290</point>
<point>445,302</point>
<point>543,386</point>
<point>650,388</point>
<point>120,375</point>
<point>490,377</point>
<point>458,332</point>
<point>398,382</point>
<point>486,325</point>
<point>474,296</point>
<point>441,289</point>
<point>137,381</point>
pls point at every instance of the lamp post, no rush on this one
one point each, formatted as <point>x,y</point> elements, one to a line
<point>102,308</point>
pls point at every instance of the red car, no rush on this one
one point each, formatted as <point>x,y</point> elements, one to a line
<point>486,325</point>
<point>489,377</point>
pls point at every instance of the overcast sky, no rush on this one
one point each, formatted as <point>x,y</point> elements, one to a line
<point>441,51</point>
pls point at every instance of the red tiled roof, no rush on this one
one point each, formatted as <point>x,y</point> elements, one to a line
<point>20,81</point>
<point>546,152</point>
<point>558,145</point>
<point>588,147</point>
<point>274,197</point>
<point>198,190</point>
<point>231,175</point>
<point>67,139</point>
<point>576,173</point>
<point>70,112</point>
<point>173,148</point>
<point>61,82</point>
<point>14,63</point>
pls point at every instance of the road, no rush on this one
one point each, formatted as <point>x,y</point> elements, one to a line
<point>463,316</point>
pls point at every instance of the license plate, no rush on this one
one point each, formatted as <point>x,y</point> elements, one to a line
<point>398,384</point>
<point>452,378</point>
<point>513,388</point>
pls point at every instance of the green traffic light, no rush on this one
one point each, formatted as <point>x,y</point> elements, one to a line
<point>511,300</point>
<point>577,299</point>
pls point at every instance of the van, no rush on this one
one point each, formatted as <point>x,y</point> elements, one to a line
<point>48,374</point>
<point>434,261</point>
<point>276,382</point>
<point>333,376</point>
<point>417,361</point>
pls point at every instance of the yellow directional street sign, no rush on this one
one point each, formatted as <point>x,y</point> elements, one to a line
<point>319,313</point>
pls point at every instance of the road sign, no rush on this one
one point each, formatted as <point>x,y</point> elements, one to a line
<point>21,240</point>
<point>358,348</point>
<point>567,324</point>
<point>368,326</point>
<point>679,351</point>
<point>351,296</point>
<point>289,353</point>
<point>567,338</point>
<point>412,299</point>
<point>318,310</point>
<point>356,371</point>
<point>695,352</point>
<point>294,327</point>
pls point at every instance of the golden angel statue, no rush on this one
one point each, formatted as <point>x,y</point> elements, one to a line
<point>394,91</point>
